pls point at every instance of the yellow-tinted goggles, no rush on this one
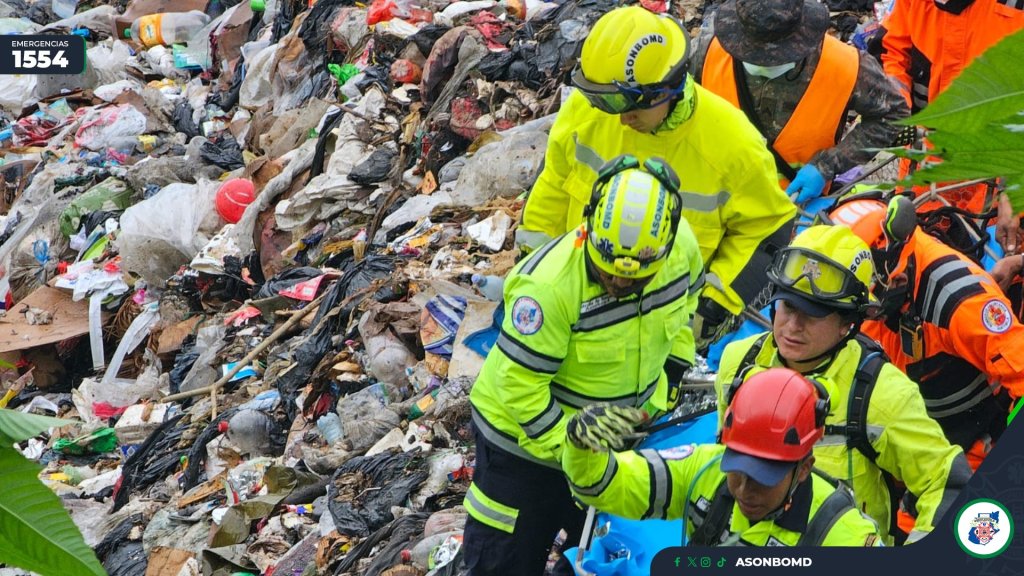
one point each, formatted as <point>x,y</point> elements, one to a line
<point>813,273</point>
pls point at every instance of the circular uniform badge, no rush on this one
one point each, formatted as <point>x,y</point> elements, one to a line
<point>527,317</point>
<point>984,528</point>
<point>996,316</point>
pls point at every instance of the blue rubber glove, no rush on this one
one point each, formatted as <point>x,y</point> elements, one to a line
<point>808,184</point>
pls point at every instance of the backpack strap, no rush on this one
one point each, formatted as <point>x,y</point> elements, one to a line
<point>856,429</point>
<point>839,502</point>
<point>716,519</point>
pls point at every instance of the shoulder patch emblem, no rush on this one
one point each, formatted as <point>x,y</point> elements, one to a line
<point>996,316</point>
<point>676,452</point>
<point>527,317</point>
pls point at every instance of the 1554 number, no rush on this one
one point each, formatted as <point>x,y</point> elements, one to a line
<point>39,59</point>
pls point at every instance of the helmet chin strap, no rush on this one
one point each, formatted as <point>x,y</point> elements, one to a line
<point>794,482</point>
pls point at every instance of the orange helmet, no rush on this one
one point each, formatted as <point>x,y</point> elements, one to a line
<point>864,217</point>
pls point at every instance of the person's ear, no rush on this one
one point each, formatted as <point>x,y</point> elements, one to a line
<point>804,470</point>
<point>898,280</point>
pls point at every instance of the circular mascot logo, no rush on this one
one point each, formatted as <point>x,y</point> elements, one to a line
<point>984,528</point>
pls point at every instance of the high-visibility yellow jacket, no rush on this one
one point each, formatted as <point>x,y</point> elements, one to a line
<point>731,195</point>
<point>910,445</point>
<point>683,483</point>
<point>565,343</point>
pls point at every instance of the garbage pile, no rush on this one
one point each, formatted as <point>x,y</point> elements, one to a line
<point>255,251</point>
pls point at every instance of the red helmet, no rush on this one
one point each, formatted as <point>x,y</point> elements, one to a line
<point>775,415</point>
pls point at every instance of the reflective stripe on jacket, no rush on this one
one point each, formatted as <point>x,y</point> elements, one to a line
<point>964,316</point>
<point>683,482</point>
<point>565,343</point>
<point>818,120</point>
<point>910,445</point>
<point>731,197</point>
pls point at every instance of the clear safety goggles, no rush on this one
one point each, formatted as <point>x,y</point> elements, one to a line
<point>825,278</point>
<point>620,97</point>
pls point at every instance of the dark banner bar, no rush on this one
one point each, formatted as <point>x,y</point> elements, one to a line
<point>42,54</point>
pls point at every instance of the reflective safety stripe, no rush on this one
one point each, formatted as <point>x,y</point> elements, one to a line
<point>578,400</point>
<point>586,155</point>
<point>697,202</point>
<point>661,488</point>
<point>544,421</point>
<point>595,490</point>
<point>527,358</point>
<point>486,510</point>
<point>618,311</point>
<point>979,382</point>
<point>505,442</point>
<point>950,296</point>
<point>605,316</point>
<point>531,239</point>
<point>696,287</point>
<point>533,260</point>
<point>938,280</point>
<point>666,294</point>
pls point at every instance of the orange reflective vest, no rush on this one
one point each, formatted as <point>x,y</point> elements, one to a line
<point>817,122</point>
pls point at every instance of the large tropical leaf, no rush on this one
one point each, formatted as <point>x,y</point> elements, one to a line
<point>990,88</point>
<point>36,532</point>
<point>17,426</point>
<point>996,151</point>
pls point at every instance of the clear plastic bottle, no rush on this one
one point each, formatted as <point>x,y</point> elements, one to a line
<point>490,286</point>
<point>167,28</point>
<point>330,426</point>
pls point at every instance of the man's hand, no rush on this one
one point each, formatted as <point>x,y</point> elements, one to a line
<point>808,184</point>
<point>1007,226</point>
<point>1007,269</point>
<point>599,427</point>
<point>710,322</point>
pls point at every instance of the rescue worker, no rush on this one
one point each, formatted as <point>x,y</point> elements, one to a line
<point>759,489</point>
<point>947,324</point>
<point>633,95</point>
<point>598,314</point>
<point>774,60</point>
<point>926,44</point>
<point>878,430</point>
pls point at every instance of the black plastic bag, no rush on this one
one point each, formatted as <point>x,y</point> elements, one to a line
<point>223,152</point>
<point>375,168</point>
<point>400,534</point>
<point>152,462</point>
<point>286,279</point>
<point>183,119</point>
<point>394,476</point>
<point>119,555</point>
<point>183,362</point>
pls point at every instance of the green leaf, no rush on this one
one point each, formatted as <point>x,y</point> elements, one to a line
<point>17,426</point>
<point>991,87</point>
<point>36,532</point>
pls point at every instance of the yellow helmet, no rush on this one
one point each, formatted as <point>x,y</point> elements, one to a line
<point>632,216</point>
<point>633,58</point>
<point>825,269</point>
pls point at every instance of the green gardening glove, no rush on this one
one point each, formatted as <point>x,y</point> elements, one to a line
<point>599,427</point>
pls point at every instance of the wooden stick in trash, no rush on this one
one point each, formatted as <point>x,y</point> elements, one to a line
<point>212,389</point>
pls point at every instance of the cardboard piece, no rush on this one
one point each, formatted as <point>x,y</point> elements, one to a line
<point>70,319</point>
<point>167,561</point>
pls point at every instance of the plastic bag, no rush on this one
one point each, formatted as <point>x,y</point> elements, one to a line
<point>163,232</point>
<point>208,343</point>
<point>359,514</point>
<point>365,416</point>
<point>223,152</point>
<point>503,168</point>
<point>111,127</point>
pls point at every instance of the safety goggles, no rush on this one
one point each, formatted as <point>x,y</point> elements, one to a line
<point>826,278</point>
<point>620,97</point>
